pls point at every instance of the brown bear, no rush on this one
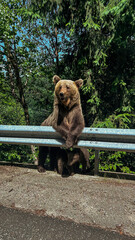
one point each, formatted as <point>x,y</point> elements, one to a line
<point>71,159</point>
<point>66,118</point>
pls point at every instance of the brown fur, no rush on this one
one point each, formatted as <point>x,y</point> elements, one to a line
<point>79,155</point>
<point>67,117</point>
<point>71,160</point>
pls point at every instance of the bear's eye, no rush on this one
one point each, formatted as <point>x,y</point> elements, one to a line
<point>60,88</point>
<point>67,87</point>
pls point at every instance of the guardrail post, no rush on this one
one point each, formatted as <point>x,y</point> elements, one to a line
<point>96,166</point>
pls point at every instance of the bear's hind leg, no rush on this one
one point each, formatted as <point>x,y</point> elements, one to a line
<point>53,158</point>
<point>43,152</point>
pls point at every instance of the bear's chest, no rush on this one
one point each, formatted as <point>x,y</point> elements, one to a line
<point>66,116</point>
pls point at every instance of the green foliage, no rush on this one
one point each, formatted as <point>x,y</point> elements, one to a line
<point>123,120</point>
<point>11,111</point>
<point>116,162</point>
<point>14,154</point>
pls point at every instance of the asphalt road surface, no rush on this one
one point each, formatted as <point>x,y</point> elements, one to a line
<point>35,206</point>
<point>18,225</point>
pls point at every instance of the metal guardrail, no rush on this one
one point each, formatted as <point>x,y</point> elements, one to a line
<point>93,138</point>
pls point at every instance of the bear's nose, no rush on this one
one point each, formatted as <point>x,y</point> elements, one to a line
<point>61,94</point>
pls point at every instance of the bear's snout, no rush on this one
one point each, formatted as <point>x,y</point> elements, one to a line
<point>61,94</point>
<point>64,98</point>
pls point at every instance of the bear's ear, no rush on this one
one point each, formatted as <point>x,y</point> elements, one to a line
<point>56,79</point>
<point>79,83</point>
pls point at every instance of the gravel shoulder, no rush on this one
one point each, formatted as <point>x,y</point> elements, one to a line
<point>96,201</point>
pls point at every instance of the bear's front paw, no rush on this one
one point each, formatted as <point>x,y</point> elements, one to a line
<point>69,144</point>
<point>71,141</point>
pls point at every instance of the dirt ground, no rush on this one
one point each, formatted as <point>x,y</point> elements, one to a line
<point>103,202</point>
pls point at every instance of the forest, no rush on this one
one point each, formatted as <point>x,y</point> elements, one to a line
<point>89,39</point>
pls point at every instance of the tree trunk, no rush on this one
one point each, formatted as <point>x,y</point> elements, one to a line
<point>12,62</point>
<point>56,51</point>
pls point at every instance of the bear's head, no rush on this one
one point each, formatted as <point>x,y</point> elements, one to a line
<point>67,91</point>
